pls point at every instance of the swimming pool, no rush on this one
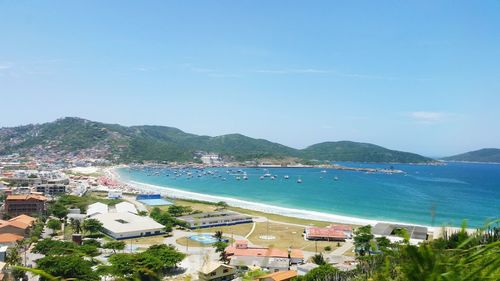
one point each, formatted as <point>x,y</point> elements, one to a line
<point>203,238</point>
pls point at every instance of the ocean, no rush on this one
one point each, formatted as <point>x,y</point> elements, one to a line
<point>426,195</point>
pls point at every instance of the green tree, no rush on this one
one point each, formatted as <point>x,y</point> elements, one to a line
<point>218,235</point>
<point>115,246</point>
<point>362,239</point>
<point>55,225</point>
<point>318,259</point>
<point>323,272</point>
<point>219,246</point>
<point>92,226</point>
<point>76,225</point>
<point>69,266</point>
<point>58,210</point>
<point>177,210</point>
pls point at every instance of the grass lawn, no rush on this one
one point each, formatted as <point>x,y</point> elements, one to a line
<point>239,229</point>
<point>287,236</point>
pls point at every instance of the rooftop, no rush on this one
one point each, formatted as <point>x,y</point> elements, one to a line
<point>10,237</point>
<point>126,222</point>
<point>26,197</point>
<point>386,229</point>
<point>280,276</point>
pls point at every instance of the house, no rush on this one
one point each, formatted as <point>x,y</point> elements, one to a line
<point>242,255</point>
<point>19,225</point>
<point>123,225</point>
<point>330,233</point>
<point>217,218</point>
<point>25,204</point>
<point>216,271</point>
<point>9,239</point>
<point>279,276</point>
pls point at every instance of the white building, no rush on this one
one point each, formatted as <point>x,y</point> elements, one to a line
<point>97,208</point>
<point>115,194</point>
<point>123,225</point>
<point>126,207</point>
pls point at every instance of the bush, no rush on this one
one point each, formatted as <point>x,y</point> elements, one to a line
<point>328,248</point>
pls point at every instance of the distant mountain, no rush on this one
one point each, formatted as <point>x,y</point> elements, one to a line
<point>359,152</point>
<point>486,155</point>
<point>79,137</point>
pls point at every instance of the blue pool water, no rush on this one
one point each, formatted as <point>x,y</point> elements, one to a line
<point>203,238</point>
<point>430,195</point>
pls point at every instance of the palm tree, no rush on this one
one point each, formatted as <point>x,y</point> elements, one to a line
<point>318,259</point>
<point>218,235</point>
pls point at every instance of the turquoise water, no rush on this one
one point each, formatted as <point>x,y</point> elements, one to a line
<point>429,195</point>
<point>203,238</point>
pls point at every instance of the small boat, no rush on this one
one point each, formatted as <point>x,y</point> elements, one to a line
<point>299,180</point>
<point>245,177</point>
<point>238,178</point>
<point>286,177</point>
<point>335,178</point>
<point>323,171</point>
<point>261,177</point>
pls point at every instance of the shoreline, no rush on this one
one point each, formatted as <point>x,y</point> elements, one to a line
<point>260,207</point>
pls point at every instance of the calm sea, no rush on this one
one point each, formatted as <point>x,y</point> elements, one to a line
<point>429,195</point>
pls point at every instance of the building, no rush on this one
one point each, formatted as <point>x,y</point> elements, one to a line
<point>115,194</point>
<point>303,269</point>
<point>25,204</point>
<point>279,276</point>
<point>123,225</point>
<point>217,218</point>
<point>19,225</point>
<point>330,233</point>
<point>51,189</point>
<point>216,271</point>
<point>126,207</point>
<point>417,234</point>
<point>241,255</point>
<point>97,208</point>
<point>9,239</point>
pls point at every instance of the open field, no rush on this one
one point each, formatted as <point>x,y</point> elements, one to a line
<point>287,236</point>
<point>239,229</point>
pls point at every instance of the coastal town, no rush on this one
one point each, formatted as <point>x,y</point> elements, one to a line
<point>83,203</point>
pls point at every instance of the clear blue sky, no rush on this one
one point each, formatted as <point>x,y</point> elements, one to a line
<point>420,76</point>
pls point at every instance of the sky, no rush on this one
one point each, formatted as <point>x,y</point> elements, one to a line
<point>418,76</point>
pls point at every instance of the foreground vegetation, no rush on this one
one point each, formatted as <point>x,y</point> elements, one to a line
<point>456,256</point>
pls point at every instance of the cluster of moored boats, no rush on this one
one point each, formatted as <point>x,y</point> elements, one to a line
<point>190,172</point>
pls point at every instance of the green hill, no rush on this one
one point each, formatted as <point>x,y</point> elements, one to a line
<point>359,152</point>
<point>486,155</point>
<point>76,136</point>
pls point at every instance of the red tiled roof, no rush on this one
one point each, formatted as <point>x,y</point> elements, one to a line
<point>280,276</point>
<point>26,197</point>
<point>332,231</point>
<point>10,237</point>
